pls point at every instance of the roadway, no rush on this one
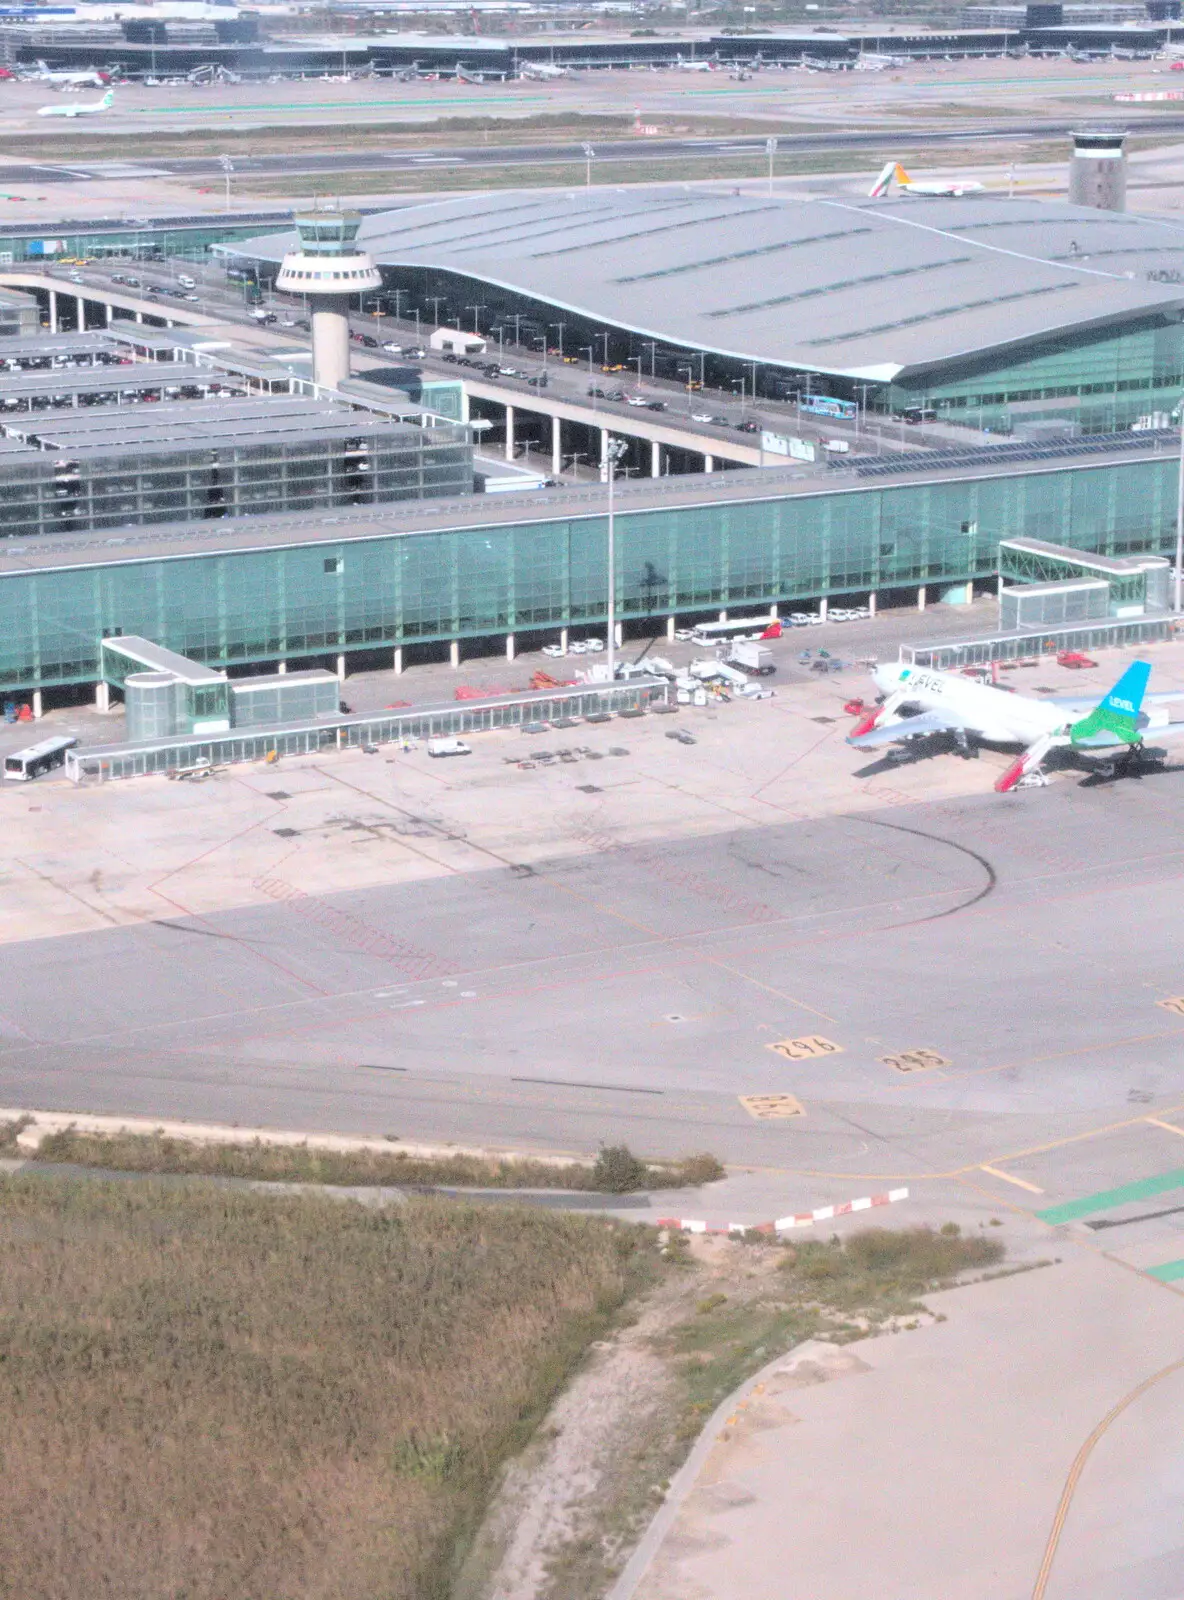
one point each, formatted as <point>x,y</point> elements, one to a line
<point>608,151</point>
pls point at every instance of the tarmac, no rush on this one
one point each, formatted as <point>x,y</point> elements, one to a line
<point>842,977</point>
<point>943,1458</point>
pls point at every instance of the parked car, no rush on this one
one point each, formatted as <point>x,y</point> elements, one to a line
<point>1074,660</point>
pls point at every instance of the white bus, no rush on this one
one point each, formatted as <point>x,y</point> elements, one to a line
<point>38,758</point>
<point>738,627</point>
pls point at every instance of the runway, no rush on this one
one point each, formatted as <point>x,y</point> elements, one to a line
<point>608,152</point>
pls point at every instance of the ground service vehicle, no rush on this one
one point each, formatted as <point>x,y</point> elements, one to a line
<point>449,747</point>
<point>752,657</point>
<point>38,758</point>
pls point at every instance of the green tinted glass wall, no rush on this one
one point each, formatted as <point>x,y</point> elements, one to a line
<point>308,600</point>
<point>1105,380</point>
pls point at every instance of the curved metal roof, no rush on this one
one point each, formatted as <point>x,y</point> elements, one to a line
<point>865,288</point>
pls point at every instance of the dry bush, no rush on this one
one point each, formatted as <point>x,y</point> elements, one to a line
<point>210,1393</point>
<point>137,1152</point>
<point>886,1266</point>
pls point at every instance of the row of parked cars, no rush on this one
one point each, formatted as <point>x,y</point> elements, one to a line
<point>577,647</point>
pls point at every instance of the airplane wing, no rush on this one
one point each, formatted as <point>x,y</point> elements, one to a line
<point>908,728</point>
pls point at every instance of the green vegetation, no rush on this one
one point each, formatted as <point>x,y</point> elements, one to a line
<point>616,1170</point>
<point>842,1290</point>
<point>210,1393</point>
<point>765,1298</point>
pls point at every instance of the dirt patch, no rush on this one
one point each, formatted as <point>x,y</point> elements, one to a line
<point>571,1508</point>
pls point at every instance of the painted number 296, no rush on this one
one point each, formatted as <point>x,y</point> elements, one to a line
<point>804,1049</point>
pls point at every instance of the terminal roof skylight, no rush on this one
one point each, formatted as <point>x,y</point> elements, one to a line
<point>773,279</point>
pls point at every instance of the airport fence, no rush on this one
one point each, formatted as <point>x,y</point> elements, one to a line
<point>1102,634</point>
<point>191,753</point>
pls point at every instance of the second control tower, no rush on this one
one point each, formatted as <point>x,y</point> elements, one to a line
<point>329,270</point>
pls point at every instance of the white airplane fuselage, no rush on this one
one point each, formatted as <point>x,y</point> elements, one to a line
<point>993,714</point>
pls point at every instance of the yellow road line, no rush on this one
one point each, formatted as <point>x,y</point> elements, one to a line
<point>1170,1126</point>
<point>1078,1467</point>
<point>1009,1177</point>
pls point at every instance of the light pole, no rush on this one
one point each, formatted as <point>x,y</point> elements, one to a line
<point>652,345</point>
<point>1180,515</point>
<point>435,299</point>
<point>770,151</point>
<point>561,326</point>
<point>398,294</point>
<point>589,154</point>
<point>604,336</point>
<point>638,360</point>
<point>689,370</point>
<point>743,407</point>
<point>614,451</point>
<point>227,166</point>
<point>588,348</point>
<point>476,310</point>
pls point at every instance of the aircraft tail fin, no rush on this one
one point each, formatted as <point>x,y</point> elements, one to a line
<point>900,174</point>
<point>1116,717</point>
<point>880,187</point>
<point>108,99</point>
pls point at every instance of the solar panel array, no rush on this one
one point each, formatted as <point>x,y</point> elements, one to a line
<point>1096,444</point>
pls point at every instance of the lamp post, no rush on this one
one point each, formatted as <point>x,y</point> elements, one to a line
<point>589,155</point>
<point>561,326</point>
<point>604,336</point>
<point>615,449</point>
<point>770,151</point>
<point>652,346</point>
<point>743,407</point>
<point>1180,516</point>
<point>689,370</point>
<point>224,162</point>
<point>476,310</point>
<point>436,299</point>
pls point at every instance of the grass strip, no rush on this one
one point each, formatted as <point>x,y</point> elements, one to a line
<point>214,1392</point>
<point>615,1171</point>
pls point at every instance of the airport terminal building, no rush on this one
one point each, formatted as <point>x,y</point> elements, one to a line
<point>1062,316</point>
<point>990,311</point>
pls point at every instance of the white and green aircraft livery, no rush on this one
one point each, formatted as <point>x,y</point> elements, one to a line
<point>921,701</point>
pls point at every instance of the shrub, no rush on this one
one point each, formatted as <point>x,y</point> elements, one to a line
<point>619,1171</point>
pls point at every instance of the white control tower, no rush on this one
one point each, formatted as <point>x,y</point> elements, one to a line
<point>329,270</point>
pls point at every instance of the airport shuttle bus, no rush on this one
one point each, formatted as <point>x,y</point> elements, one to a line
<point>38,758</point>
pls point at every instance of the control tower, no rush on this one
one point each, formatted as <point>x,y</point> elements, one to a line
<point>1097,172</point>
<point>328,269</point>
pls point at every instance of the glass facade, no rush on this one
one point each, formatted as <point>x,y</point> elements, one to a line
<point>307,600</point>
<point>1103,380</point>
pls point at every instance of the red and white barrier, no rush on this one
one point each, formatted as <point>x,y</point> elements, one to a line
<point>825,1213</point>
<point>801,1219</point>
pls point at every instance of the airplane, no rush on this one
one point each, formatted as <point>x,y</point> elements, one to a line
<point>694,66</point>
<point>90,108</point>
<point>906,185</point>
<point>71,80</point>
<point>543,71</point>
<point>945,702</point>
